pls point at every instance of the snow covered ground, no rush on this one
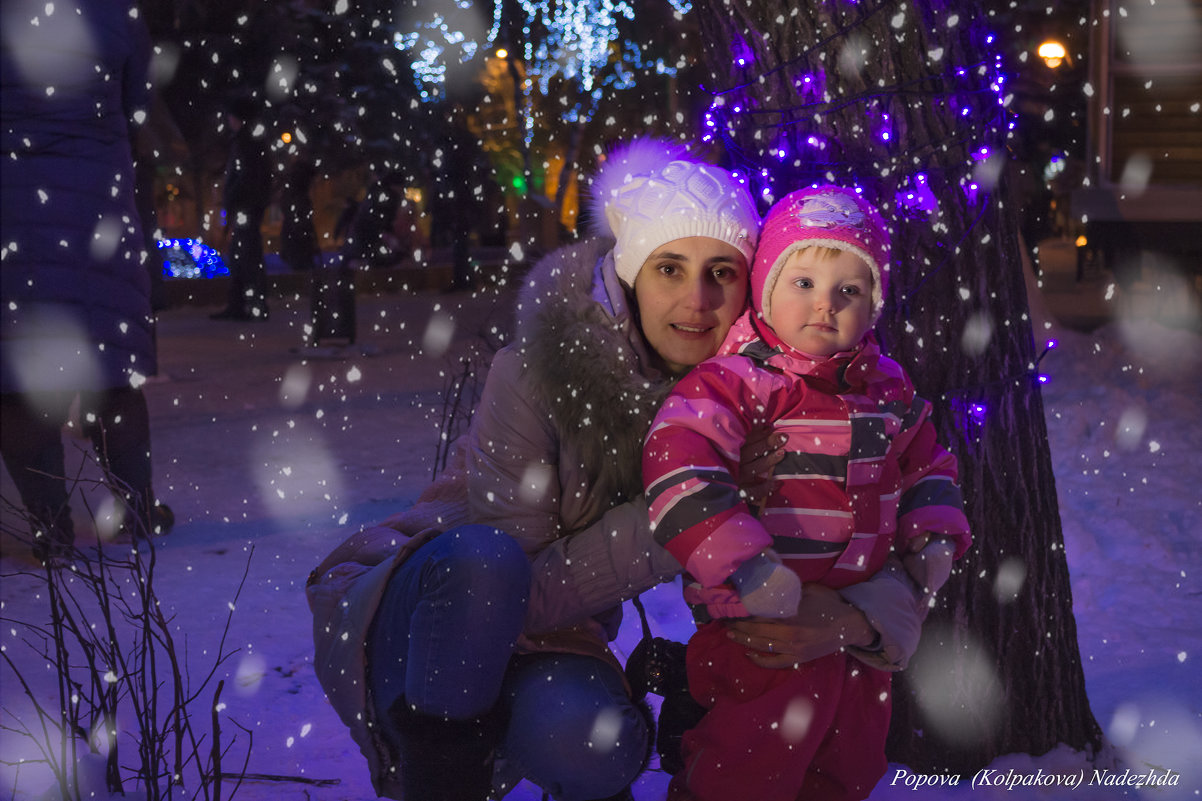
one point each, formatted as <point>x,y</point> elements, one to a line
<point>261,444</point>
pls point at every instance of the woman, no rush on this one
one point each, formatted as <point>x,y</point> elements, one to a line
<point>454,679</point>
<point>76,317</point>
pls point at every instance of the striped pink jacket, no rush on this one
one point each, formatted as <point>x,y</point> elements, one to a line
<point>862,469</point>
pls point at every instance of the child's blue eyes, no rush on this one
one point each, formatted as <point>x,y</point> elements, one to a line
<point>805,283</point>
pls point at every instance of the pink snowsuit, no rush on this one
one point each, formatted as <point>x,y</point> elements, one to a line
<point>862,472</point>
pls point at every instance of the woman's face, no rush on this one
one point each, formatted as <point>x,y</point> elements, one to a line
<point>689,292</point>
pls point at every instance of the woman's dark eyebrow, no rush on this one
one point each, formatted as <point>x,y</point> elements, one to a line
<point>682,257</point>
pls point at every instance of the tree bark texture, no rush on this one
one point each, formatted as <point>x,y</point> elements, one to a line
<point>896,98</point>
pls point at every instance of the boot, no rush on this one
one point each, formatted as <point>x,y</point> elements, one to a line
<point>445,760</point>
<point>53,534</point>
<point>625,795</point>
<point>147,520</point>
<point>142,522</point>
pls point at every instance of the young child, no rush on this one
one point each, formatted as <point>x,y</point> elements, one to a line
<point>862,476</point>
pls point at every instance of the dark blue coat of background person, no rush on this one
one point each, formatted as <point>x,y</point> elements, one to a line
<point>76,317</point>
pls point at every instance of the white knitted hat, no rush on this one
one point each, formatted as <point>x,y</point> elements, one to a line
<point>649,195</point>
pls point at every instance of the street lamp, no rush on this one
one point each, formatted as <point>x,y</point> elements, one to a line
<point>1052,53</point>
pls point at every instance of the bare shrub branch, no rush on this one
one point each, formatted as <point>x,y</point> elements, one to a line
<point>109,643</point>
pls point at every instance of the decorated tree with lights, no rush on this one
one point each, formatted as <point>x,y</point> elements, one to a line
<point>908,101</point>
<point>555,77</point>
<point>326,79</point>
<point>575,56</point>
<point>203,53</point>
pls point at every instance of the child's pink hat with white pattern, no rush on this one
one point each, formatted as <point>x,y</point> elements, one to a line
<point>829,216</point>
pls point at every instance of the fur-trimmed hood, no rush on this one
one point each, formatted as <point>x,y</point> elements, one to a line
<point>589,363</point>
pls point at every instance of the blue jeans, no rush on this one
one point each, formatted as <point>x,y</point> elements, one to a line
<point>443,638</point>
<point>573,729</point>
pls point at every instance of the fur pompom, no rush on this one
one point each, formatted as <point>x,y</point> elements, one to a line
<point>642,156</point>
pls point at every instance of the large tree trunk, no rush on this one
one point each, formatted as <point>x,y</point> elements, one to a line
<point>999,668</point>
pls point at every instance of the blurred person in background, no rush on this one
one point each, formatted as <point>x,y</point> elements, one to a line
<point>76,319</point>
<point>247,195</point>
<point>298,239</point>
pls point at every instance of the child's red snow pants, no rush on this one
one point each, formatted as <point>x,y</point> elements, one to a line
<point>816,732</point>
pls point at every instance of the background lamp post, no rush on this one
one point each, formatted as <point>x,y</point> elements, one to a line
<point>1052,53</point>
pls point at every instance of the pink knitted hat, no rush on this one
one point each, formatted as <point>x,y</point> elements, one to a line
<point>829,216</point>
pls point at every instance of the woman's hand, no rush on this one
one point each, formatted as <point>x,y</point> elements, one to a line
<point>758,456</point>
<point>824,624</point>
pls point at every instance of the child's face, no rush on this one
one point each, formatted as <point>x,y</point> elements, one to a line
<point>822,305</point>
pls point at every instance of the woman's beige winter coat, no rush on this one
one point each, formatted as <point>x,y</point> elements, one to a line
<point>553,459</point>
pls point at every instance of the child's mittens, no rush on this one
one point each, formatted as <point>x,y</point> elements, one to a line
<point>930,565</point>
<point>766,587</point>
